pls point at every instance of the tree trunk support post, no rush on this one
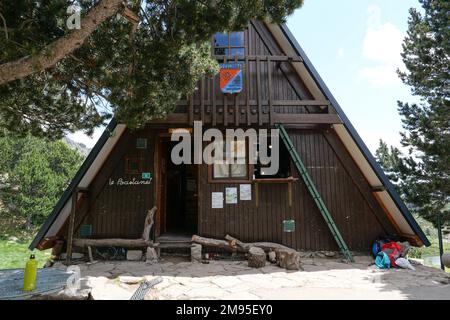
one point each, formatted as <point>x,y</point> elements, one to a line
<point>72,223</point>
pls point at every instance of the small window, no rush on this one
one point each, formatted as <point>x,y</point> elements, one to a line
<point>141,143</point>
<point>238,170</point>
<point>133,165</point>
<point>229,44</point>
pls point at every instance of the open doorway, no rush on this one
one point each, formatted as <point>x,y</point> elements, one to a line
<point>179,194</point>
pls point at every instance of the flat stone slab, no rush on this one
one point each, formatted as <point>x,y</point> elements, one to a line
<point>321,278</point>
<point>130,279</point>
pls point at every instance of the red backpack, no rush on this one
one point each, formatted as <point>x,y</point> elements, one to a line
<point>392,249</point>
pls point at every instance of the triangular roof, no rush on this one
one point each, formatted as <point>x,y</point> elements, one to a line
<point>394,207</point>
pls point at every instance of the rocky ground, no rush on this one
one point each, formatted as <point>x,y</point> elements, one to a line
<point>321,278</point>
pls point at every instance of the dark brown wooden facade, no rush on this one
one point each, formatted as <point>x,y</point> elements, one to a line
<point>266,66</point>
<point>273,93</point>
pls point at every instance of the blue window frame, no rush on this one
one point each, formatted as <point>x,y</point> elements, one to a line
<point>229,44</point>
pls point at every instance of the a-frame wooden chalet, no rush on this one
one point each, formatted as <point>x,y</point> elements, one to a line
<point>348,193</point>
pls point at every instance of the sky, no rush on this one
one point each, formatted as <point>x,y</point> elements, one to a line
<point>355,46</point>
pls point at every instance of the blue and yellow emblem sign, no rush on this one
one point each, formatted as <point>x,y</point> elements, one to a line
<point>231,77</point>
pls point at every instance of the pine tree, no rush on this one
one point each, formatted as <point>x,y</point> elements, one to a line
<point>426,54</point>
<point>133,59</point>
<point>35,174</point>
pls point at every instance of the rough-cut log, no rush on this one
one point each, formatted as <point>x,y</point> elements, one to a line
<point>90,255</point>
<point>266,246</point>
<point>288,259</point>
<point>234,242</point>
<point>60,48</point>
<point>222,244</point>
<point>148,224</point>
<point>151,255</point>
<point>256,257</point>
<point>126,243</point>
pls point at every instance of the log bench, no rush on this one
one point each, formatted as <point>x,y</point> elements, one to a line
<point>143,242</point>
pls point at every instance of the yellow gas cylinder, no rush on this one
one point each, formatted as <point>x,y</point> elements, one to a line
<point>29,279</point>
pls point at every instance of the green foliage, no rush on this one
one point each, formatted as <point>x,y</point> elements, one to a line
<point>431,251</point>
<point>426,54</point>
<point>36,171</point>
<point>14,255</point>
<point>135,75</point>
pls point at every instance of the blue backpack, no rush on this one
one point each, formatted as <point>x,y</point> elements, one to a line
<point>376,246</point>
<point>382,260</point>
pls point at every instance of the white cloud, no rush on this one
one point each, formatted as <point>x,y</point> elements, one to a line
<point>380,75</point>
<point>382,46</point>
<point>340,52</point>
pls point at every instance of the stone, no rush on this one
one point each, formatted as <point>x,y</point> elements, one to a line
<point>151,255</point>
<point>207,292</point>
<point>272,256</point>
<point>130,279</point>
<point>226,282</point>
<point>196,253</point>
<point>320,254</point>
<point>330,254</point>
<point>134,255</point>
<point>110,292</point>
<point>75,256</point>
<point>308,261</point>
<point>446,259</point>
<point>242,296</point>
<point>256,257</point>
<point>306,254</point>
<point>288,259</point>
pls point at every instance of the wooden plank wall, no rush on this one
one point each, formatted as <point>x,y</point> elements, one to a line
<point>253,104</point>
<point>355,219</point>
<point>119,211</point>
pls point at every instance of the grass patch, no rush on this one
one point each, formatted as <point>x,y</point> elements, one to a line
<point>430,251</point>
<point>15,254</point>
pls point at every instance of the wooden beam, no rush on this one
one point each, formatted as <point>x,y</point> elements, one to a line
<point>276,58</point>
<point>125,243</point>
<point>307,118</point>
<point>71,227</point>
<point>301,103</point>
<point>258,89</point>
<point>294,103</point>
<point>247,91</point>
<point>269,79</point>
